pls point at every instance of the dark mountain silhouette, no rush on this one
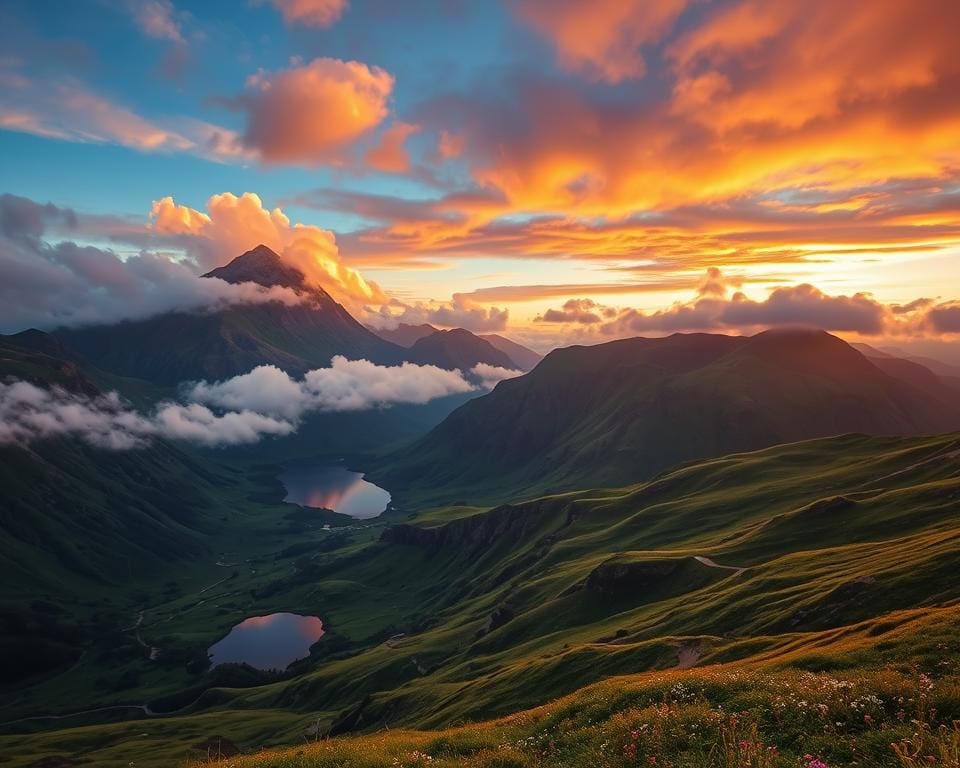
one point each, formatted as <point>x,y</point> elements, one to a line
<point>457,348</point>
<point>184,346</point>
<point>622,411</point>
<point>924,373</point>
<point>525,358</point>
<point>405,335</point>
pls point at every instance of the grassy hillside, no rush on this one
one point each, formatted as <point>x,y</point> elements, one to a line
<point>833,555</point>
<point>622,411</point>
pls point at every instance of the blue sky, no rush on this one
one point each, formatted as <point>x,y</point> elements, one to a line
<point>618,150</point>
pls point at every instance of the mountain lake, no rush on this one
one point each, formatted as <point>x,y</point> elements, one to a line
<point>332,486</point>
<point>268,642</point>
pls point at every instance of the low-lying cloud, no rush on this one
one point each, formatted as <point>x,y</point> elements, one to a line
<point>347,385</point>
<point>52,278</point>
<point>68,284</point>
<point>491,375</point>
<point>264,402</point>
<point>29,413</point>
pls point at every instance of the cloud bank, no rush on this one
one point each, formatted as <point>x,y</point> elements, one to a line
<point>48,285</point>
<point>51,280</point>
<point>264,402</point>
<point>715,309</point>
<point>29,413</point>
<point>233,224</point>
<point>347,385</point>
<point>460,312</point>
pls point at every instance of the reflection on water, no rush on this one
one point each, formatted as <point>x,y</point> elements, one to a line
<point>268,642</point>
<point>333,487</point>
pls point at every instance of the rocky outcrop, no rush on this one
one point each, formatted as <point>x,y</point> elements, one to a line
<point>616,578</point>
<point>478,532</point>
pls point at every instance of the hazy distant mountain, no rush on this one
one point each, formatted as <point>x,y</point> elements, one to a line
<point>938,367</point>
<point>405,335</point>
<point>457,348</point>
<point>525,358</point>
<point>182,346</point>
<point>622,411</point>
<point>442,348</point>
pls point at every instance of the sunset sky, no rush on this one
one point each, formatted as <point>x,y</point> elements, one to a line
<point>560,171</point>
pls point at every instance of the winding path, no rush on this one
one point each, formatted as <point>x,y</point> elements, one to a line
<point>714,564</point>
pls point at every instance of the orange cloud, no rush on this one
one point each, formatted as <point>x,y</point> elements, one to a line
<point>449,145</point>
<point>390,155</point>
<point>790,63</point>
<point>582,311</point>
<point>157,19</point>
<point>602,38</point>
<point>311,13</point>
<point>460,312</point>
<point>65,108</point>
<point>234,224</point>
<point>792,305</point>
<point>312,113</point>
<point>762,134</point>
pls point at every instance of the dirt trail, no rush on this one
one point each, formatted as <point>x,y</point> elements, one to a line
<point>135,628</point>
<point>714,564</point>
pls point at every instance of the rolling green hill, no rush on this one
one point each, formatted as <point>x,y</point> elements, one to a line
<point>835,554</point>
<point>621,411</point>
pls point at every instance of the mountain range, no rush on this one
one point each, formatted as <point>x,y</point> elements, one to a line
<point>621,411</point>
<point>409,336</point>
<point>637,507</point>
<point>187,346</point>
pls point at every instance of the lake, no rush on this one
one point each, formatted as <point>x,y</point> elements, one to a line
<point>268,642</point>
<point>327,486</point>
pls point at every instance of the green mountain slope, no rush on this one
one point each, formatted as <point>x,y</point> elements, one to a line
<point>836,553</point>
<point>77,520</point>
<point>616,412</point>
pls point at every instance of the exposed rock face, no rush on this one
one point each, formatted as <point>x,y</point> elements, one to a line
<point>498,617</point>
<point>614,578</point>
<point>475,532</point>
<point>262,266</point>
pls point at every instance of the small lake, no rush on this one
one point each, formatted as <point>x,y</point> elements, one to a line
<point>327,486</point>
<point>268,642</point>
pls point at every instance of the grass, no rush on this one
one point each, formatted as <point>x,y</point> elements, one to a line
<point>715,717</point>
<point>849,548</point>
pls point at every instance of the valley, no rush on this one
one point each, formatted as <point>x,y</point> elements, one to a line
<point>461,384</point>
<point>476,613</point>
<point>699,509</point>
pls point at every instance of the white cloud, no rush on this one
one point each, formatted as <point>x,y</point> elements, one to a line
<point>66,284</point>
<point>29,413</point>
<point>491,375</point>
<point>265,401</point>
<point>347,385</point>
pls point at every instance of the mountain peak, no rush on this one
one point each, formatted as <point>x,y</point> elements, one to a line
<point>260,265</point>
